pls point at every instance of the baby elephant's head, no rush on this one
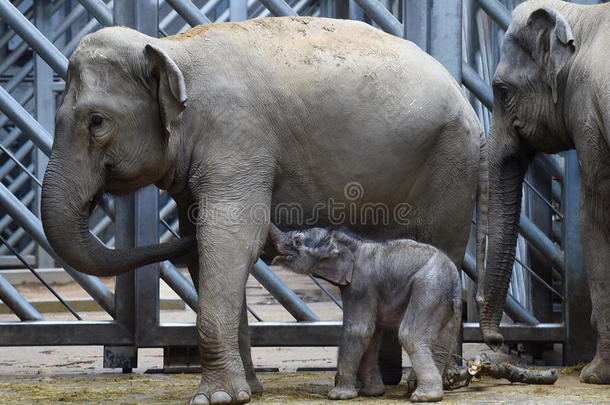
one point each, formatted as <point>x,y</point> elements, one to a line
<point>313,251</point>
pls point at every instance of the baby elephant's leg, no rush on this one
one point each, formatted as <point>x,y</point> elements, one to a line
<point>369,373</point>
<point>355,338</point>
<point>420,329</point>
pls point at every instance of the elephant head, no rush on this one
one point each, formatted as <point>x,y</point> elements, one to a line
<point>313,251</point>
<point>115,131</point>
<point>528,88</point>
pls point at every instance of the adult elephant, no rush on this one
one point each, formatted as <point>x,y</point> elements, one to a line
<point>552,93</point>
<point>355,126</point>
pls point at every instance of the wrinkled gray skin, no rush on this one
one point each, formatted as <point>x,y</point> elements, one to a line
<point>400,284</point>
<point>552,93</point>
<point>239,118</point>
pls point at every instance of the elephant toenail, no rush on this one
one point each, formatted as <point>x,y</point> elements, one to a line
<point>200,399</point>
<point>593,379</point>
<point>243,396</point>
<point>220,397</point>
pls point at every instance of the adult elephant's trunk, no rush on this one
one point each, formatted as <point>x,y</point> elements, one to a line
<point>65,209</point>
<point>507,165</point>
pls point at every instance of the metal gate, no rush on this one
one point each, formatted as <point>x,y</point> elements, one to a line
<point>37,36</point>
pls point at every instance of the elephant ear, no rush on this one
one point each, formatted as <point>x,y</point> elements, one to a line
<point>553,43</point>
<point>171,87</point>
<point>336,267</point>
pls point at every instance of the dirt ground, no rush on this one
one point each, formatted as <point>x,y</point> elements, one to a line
<point>75,375</point>
<point>280,388</point>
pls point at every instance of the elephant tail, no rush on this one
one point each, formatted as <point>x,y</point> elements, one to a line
<point>481,215</point>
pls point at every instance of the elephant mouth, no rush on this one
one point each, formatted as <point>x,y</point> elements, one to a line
<point>282,258</point>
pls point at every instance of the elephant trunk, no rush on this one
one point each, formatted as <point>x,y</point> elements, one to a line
<point>507,165</point>
<point>65,209</point>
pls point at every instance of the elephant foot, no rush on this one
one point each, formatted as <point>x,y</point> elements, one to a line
<point>372,385</point>
<point>343,393</point>
<point>222,391</point>
<point>373,390</point>
<point>596,372</point>
<point>256,388</point>
<point>411,382</point>
<point>421,394</point>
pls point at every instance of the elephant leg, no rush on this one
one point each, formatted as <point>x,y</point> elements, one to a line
<point>424,323</point>
<point>246,353</point>
<point>596,246</point>
<point>229,242</point>
<point>369,374</point>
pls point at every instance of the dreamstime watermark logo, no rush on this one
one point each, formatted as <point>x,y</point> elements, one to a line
<point>351,210</point>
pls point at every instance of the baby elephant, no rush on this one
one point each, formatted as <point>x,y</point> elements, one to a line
<point>402,284</point>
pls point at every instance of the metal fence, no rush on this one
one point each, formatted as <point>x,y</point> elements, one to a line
<point>36,37</point>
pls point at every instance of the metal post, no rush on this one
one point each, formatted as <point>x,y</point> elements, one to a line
<point>382,16</point>
<point>280,291</point>
<point>39,43</point>
<point>497,12</point>
<point>540,214</point>
<point>15,301</point>
<point>238,10</point>
<point>416,22</point>
<point>45,109</point>
<point>187,10</point>
<point>137,292</point>
<point>25,219</point>
<point>446,35</point>
<point>20,117</point>
<point>342,8</point>
<point>278,7</point>
<point>355,12</point>
<point>579,343</point>
<point>98,10</point>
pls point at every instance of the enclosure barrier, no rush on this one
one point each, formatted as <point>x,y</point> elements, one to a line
<point>463,35</point>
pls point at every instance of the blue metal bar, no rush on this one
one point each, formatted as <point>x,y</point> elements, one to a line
<point>98,10</point>
<point>28,221</point>
<point>514,309</point>
<point>177,282</point>
<point>477,85</point>
<point>579,343</point>
<point>416,22</point>
<point>446,35</point>
<point>325,291</point>
<point>541,242</point>
<point>540,279</point>
<point>553,165</point>
<point>76,13</point>
<point>15,301</point>
<point>35,273</point>
<point>20,117</point>
<point>280,291</point>
<point>39,43</point>
<point>238,10</point>
<point>21,166</point>
<point>544,200</point>
<point>278,8</point>
<point>382,16</point>
<point>189,12</point>
<point>497,12</point>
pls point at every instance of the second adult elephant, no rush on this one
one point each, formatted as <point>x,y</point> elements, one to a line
<point>552,93</point>
<point>307,121</point>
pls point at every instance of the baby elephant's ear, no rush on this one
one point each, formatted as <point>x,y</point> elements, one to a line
<point>336,268</point>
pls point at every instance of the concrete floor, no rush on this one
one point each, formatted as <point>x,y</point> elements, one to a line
<point>75,375</point>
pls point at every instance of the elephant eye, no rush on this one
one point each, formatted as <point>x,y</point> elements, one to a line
<point>96,121</point>
<point>297,241</point>
<point>505,95</point>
